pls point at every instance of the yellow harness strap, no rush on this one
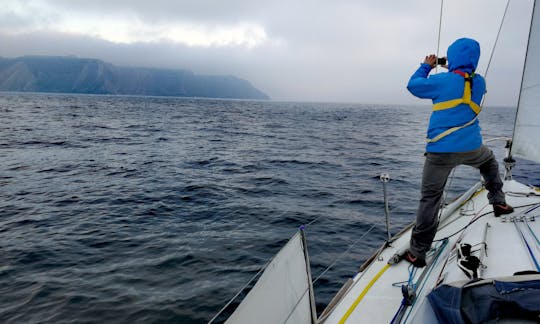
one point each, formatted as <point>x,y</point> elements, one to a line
<point>450,131</point>
<point>466,99</point>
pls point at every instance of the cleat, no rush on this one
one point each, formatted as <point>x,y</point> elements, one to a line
<point>415,261</point>
<point>502,209</point>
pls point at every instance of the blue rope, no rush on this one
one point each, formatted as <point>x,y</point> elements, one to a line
<point>410,282</point>
<point>531,209</point>
<point>533,234</point>
<point>531,253</point>
<point>528,247</point>
<point>398,311</point>
<point>412,274</point>
<point>529,227</point>
<point>438,252</point>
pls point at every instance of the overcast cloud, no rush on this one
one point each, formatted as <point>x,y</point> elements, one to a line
<point>340,50</point>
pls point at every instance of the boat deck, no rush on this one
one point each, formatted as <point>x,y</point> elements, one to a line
<point>499,242</point>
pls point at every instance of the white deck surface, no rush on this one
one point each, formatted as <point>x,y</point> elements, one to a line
<point>506,254</point>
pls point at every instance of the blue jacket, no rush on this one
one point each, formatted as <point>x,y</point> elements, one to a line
<point>463,55</point>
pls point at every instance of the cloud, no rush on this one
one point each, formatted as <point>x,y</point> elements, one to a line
<point>125,26</point>
<point>316,50</point>
<point>132,31</point>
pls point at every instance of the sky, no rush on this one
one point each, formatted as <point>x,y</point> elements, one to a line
<point>357,51</point>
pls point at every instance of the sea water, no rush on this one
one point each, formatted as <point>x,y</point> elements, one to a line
<point>154,210</point>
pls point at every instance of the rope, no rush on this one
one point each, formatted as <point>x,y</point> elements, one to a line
<point>527,245</point>
<point>532,232</point>
<point>497,139</point>
<point>399,311</point>
<point>531,209</point>
<point>475,219</point>
<point>426,272</point>
<point>521,194</point>
<point>406,302</point>
<point>412,274</point>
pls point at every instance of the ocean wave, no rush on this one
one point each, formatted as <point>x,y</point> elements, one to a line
<point>142,209</point>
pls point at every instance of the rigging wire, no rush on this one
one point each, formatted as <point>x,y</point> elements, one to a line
<point>439,36</point>
<point>495,46</point>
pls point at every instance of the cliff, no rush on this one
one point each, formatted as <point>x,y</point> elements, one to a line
<point>82,75</point>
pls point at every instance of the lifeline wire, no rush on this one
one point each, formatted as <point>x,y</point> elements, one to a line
<point>344,253</point>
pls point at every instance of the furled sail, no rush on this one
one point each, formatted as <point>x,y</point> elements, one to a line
<point>526,139</point>
<point>283,293</point>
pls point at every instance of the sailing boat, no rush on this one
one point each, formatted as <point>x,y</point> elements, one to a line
<point>480,267</point>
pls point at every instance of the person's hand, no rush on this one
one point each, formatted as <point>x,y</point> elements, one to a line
<point>431,60</point>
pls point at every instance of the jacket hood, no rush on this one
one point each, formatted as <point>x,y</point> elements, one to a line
<point>463,55</point>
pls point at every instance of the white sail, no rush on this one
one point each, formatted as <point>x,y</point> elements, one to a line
<point>526,140</point>
<point>282,293</point>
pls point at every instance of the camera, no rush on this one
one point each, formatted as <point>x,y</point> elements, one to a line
<point>441,61</point>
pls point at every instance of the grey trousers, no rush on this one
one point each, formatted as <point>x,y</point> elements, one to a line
<point>437,167</point>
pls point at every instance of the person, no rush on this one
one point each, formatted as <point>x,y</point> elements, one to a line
<point>453,138</point>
